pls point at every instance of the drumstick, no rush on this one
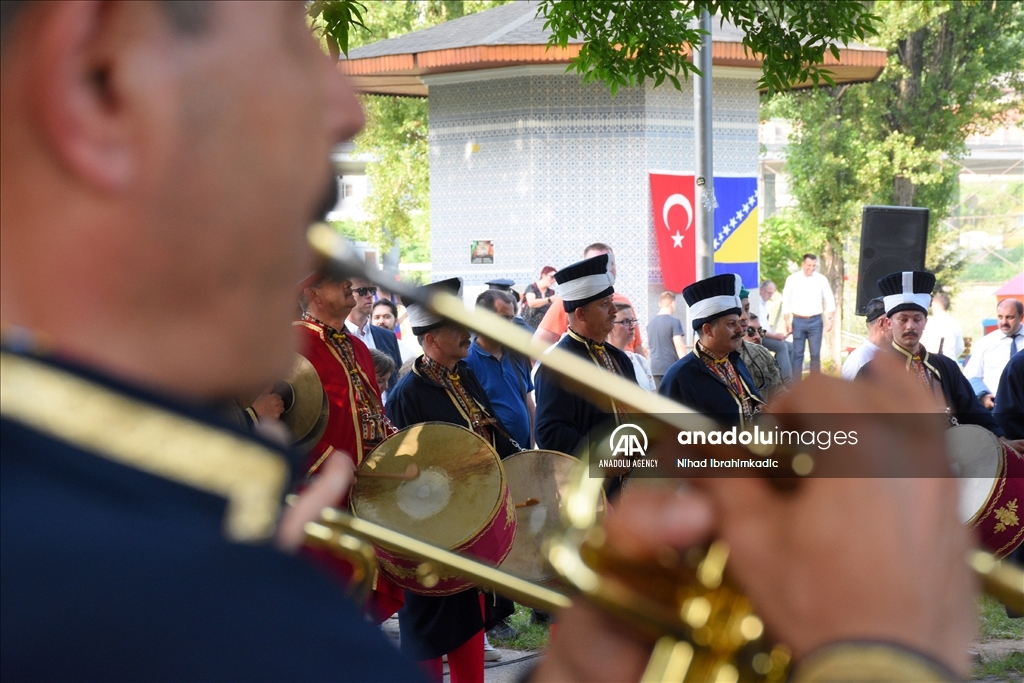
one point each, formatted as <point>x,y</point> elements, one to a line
<point>411,472</point>
<point>527,503</point>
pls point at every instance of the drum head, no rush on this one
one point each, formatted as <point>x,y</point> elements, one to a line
<point>543,475</point>
<point>975,456</point>
<point>458,491</point>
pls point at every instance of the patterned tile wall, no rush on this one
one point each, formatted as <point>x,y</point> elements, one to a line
<point>544,165</point>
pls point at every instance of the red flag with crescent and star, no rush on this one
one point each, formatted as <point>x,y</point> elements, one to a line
<point>672,201</point>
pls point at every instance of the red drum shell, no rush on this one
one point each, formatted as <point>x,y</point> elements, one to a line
<point>981,460</point>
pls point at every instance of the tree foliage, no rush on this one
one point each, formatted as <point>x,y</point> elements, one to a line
<point>625,43</point>
<point>395,136</point>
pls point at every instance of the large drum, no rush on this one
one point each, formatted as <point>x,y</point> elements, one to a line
<point>991,487</point>
<point>459,501</point>
<point>540,476</point>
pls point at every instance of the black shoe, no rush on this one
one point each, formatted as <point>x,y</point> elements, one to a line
<point>503,631</point>
<point>539,616</point>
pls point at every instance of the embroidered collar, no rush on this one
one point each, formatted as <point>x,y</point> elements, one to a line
<point>923,357</point>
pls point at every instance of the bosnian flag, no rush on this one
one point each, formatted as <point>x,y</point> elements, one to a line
<point>736,249</point>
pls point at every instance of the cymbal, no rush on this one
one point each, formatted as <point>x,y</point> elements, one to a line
<point>304,399</point>
<point>311,439</point>
<point>459,488</point>
<point>539,482</point>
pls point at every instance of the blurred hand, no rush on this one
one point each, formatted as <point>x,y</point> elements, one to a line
<point>268,405</point>
<point>838,559</point>
<point>330,485</point>
<point>988,401</point>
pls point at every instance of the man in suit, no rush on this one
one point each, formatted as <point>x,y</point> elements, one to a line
<point>358,324</point>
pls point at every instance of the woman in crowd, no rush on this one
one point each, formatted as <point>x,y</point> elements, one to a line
<point>538,297</point>
<point>621,335</point>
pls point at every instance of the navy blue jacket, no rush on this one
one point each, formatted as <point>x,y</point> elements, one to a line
<point>564,418</point>
<point>113,573</point>
<point>432,626</point>
<point>956,389</point>
<point>386,341</point>
<point>1009,410</point>
<point>690,381</point>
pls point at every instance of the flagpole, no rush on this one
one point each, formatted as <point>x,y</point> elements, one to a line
<point>704,191</point>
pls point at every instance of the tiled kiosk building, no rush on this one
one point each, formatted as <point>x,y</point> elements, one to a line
<point>525,155</point>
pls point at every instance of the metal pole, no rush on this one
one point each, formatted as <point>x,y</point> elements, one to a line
<point>704,191</point>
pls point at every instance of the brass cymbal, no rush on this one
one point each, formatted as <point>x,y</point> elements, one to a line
<point>459,487</point>
<point>304,399</point>
<point>539,483</point>
<point>311,439</point>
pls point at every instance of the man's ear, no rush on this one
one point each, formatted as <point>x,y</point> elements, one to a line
<point>80,86</point>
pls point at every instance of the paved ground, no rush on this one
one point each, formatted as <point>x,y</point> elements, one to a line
<point>511,668</point>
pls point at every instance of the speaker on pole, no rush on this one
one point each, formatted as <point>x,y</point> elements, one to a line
<point>892,239</point>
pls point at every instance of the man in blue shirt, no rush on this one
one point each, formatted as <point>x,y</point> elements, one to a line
<point>506,381</point>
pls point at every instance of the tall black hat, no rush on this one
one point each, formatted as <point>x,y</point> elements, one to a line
<point>585,281</point>
<point>910,290</point>
<point>713,298</point>
<point>423,320</point>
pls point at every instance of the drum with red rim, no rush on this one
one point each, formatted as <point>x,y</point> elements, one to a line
<point>991,478</point>
<point>459,501</point>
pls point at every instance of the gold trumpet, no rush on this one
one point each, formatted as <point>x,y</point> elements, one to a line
<point>703,622</point>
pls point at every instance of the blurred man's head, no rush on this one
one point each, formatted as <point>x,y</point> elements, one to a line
<point>364,291</point>
<point>384,314</point>
<point>598,248</point>
<point>768,290</point>
<point>165,159</point>
<point>940,302</point>
<point>753,330</point>
<point>808,264</point>
<point>667,301</point>
<point>1008,313</point>
<point>879,333</point>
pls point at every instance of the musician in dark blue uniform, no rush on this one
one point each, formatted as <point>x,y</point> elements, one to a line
<point>442,388</point>
<point>713,379</point>
<point>149,261</point>
<point>564,418</point>
<point>906,297</point>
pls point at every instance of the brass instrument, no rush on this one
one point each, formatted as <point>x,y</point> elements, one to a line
<point>703,621</point>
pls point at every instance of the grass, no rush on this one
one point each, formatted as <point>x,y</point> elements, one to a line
<point>1008,669</point>
<point>995,625</point>
<point>530,636</point>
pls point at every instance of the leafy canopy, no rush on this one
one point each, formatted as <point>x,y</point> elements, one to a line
<point>626,43</point>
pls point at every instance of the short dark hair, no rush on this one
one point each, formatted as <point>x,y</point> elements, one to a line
<point>942,299</point>
<point>386,302</point>
<point>1016,304</point>
<point>188,17</point>
<point>383,364</point>
<point>489,297</point>
<point>813,257</point>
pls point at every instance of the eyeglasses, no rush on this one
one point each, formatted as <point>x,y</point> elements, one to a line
<point>365,291</point>
<point>628,322</point>
<point>751,331</point>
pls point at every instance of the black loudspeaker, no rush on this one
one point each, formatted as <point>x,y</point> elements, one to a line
<point>892,239</point>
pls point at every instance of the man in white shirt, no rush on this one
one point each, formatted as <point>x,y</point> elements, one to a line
<point>991,354</point>
<point>943,333</point>
<point>358,325</point>
<point>774,341</point>
<point>879,335</point>
<point>808,306</point>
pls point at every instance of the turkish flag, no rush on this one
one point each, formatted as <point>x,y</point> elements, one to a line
<point>672,200</point>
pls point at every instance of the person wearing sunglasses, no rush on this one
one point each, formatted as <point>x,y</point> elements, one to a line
<point>759,360</point>
<point>755,334</point>
<point>358,324</point>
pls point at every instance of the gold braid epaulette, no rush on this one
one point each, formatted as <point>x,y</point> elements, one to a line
<point>117,427</point>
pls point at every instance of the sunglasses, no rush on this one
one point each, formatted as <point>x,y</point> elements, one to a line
<point>365,291</point>
<point>751,331</point>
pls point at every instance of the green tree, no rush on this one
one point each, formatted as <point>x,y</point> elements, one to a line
<point>954,68</point>
<point>395,135</point>
<point>626,42</point>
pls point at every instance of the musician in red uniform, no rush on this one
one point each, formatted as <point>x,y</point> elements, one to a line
<point>356,421</point>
